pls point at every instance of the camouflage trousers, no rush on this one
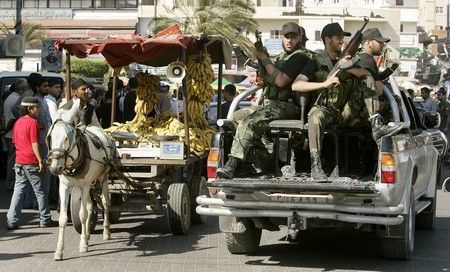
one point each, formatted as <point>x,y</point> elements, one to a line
<point>252,127</point>
<point>320,116</point>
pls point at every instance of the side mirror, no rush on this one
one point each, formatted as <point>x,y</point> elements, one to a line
<point>431,119</point>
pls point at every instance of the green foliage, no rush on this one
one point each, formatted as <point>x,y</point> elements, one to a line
<point>34,34</point>
<point>89,68</point>
<point>228,18</point>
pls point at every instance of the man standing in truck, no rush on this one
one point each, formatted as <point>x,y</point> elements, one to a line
<point>278,97</point>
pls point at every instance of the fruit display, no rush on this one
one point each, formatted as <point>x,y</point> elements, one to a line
<point>200,75</point>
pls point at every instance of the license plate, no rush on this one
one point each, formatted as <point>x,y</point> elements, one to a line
<point>301,198</point>
<point>171,150</point>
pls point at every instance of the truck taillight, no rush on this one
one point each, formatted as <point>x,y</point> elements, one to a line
<point>213,162</point>
<point>388,168</point>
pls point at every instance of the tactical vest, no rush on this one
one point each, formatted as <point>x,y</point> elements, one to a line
<point>273,92</point>
<point>335,97</point>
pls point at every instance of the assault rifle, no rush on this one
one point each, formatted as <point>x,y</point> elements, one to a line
<point>349,50</point>
<point>260,72</point>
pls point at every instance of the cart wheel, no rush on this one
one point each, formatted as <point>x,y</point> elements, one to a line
<point>178,208</point>
<point>75,206</point>
<point>116,201</point>
<point>198,188</point>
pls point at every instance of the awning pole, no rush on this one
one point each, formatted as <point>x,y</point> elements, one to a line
<point>219,85</point>
<point>68,89</point>
<point>114,95</point>
<point>185,106</point>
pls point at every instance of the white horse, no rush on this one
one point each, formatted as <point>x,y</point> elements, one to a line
<point>78,162</point>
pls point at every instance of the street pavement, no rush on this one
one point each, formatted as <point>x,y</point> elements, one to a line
<point>142,242</point>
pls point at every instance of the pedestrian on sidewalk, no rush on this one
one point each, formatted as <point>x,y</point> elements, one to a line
<point>29,165</point>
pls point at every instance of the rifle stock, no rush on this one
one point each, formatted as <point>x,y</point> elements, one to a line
<point>349,50</point>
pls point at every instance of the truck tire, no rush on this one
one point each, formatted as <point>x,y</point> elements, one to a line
<point>178,209</point>
<point>426,220</point>
<point>197,188</point>
<point>402,246</point>
<point>244,243</point>
<point>75,206</point>
<point>116,201</point>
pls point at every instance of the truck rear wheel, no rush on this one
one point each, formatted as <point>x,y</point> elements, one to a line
<point>246,242</point>
<point>178,208</point>
<point>426,219</point>
<point>402,246</point>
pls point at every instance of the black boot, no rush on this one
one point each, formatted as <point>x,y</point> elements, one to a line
<point>227,171</point>
<point>316,168</point>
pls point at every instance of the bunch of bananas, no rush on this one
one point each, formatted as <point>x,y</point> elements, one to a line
<point>199,77</point>
<point>146,93</point>
<point>146,98</point>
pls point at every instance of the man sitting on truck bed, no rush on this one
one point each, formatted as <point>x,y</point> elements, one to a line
<point>361,80</point>
<point>278,100</point>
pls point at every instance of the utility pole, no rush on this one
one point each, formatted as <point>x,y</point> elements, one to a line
<point>18,28</point>
<point>155,16</point>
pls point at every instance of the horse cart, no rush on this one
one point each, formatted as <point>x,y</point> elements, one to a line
<point>165,178</point>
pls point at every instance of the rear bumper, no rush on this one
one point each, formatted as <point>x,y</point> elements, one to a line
<point>343,213</point>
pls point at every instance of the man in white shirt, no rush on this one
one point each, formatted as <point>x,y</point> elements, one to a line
<point>428,103</point>
<point>52,97</point>
<point>86,115</point>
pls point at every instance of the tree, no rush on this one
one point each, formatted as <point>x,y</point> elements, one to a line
<point>33,33</point>
<point>228,18</point>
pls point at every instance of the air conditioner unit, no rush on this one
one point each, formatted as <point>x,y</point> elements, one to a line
<point>14,45</point>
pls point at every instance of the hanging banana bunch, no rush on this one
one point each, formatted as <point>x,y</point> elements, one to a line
<point>146,99</point>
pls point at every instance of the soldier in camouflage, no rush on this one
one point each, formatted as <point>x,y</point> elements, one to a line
<point>278,100</point>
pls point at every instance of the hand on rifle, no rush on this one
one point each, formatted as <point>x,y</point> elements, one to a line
<point>261,51</point>
<point>332,81</point>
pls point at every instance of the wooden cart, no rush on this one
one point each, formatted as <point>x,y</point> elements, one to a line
<point>152,184</point>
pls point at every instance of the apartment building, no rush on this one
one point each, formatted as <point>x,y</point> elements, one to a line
<point>71,19</point>
<point>433,14</point>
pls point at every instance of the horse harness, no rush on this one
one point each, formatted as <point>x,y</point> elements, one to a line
<point>79,166</point>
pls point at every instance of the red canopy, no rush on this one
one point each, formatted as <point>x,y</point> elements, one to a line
<point>159,50</point>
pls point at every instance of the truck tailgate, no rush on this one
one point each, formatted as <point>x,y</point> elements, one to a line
<point>304,184</point>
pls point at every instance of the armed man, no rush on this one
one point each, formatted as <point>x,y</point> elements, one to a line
<point>278,97</point>
<point>359,79</point>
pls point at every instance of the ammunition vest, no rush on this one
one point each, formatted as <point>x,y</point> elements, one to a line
<point>271,91</point>
<point>335,97</point>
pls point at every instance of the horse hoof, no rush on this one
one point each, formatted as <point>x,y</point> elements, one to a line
<point>106,237</point>
<point>57,256</point>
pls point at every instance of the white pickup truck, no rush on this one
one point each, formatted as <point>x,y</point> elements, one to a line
<point>389,187</point>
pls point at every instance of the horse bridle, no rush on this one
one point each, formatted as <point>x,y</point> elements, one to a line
<point>63,153</point>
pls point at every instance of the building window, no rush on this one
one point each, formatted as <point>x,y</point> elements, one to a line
<point>336,1</point>
<point>317,35</point>
<point>275,34</point>
<point>258,3</point>
<point>439,10</point>
<point>401,27</point>
<point>399,2</point>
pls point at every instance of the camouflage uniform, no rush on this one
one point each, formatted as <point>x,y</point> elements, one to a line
<point>278,104</point>
<point>334,104</point>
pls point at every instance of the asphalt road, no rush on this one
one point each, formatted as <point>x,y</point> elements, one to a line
<point>143,242</point>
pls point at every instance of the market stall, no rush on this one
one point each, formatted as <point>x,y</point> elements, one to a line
<point>162,159</point>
